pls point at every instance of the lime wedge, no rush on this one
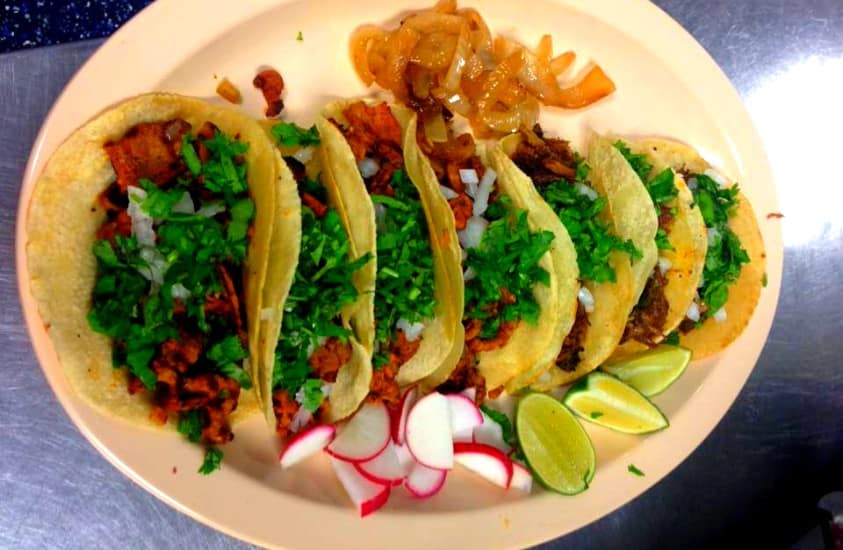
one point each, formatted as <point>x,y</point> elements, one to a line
<point>652,371</point>
<point>605,400</point>
<point>555,445</point>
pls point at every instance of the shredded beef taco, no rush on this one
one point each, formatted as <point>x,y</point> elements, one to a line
<point>569,186</point>
<point>314,369</point>
<point>682,244</point>
<point>732,275</point>
<point>395,214</point>
<point>519,268</point>
<point>148,235</point>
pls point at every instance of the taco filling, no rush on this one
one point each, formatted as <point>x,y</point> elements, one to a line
<point>647,320</point>
<point>170,256</point>
<point>500,256</point>
<point>404,289</point>
<point>725,256</point>
<point>313,345</point>
<point>561,177</point>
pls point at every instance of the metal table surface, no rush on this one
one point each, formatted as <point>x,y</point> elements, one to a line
<point>756,478</point>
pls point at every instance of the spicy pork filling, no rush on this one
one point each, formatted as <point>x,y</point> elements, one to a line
<point>501,256</point>
<point>169,284</point>
<point>560,176</point>
<point>404,289</point>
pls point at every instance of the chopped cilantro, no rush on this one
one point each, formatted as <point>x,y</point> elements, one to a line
<point>503,421</point>
<point>662,188</point>
<point>663,241</point>
<point>313,396</point>
<point>211,463</point>
<point>300,37</point>
<point>595,414</point>
<point>672,338</point>
<point>222,174</point>
<point>190,426</point>
<point>322,287</point>
<point>227,354</point>
<point>592,239</point>
<point>725,255</point>
<point>291,134</point>
<point>189,156</point>
<point>507,258</point>
<point>639,162</point>
<point>634,471</point>
<point>159,202</point>
<point>764,280</point>
<point>405,280</point>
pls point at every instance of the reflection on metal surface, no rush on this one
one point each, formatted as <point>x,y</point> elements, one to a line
<point>799,114</point>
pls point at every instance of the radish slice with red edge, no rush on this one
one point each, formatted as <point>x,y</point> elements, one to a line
<point>367,496</point>
<point>384,469</point>
<point>429,432</point>
<point>364,436</point>
<point>399,421</point>
<point>522,479</point>
<point>405,459</point>
<point>305,444</point>
<point>471,393</point>
<point>465,416</point>
<point>491,433</point>
<point>424,482</point>
<point>486,461</point>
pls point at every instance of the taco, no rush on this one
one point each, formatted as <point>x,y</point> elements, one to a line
<point>313,367</point>
<point>588,204</point>
<point>682,244</point>
<point>147,243</point>
<point>395,214</point>
<point>733,273</point>
<point>519,269</point>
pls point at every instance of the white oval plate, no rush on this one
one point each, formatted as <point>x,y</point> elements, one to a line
<point>667,85</point>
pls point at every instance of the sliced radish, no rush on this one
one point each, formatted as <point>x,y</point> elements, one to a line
<point>364,436</point>
<point>522,479</point>
<point>424,482</point>
<point>486,461</point>
<point>366,495</point>
<point>405,459</point>
<point>471,393</point>
<point>491,433</point>
<point>429,432</point>
<point>306,443</point>
<point>385,469</point>
<point>399,421</point>
<point>465,416</point>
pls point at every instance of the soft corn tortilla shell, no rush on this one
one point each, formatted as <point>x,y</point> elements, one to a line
<point>444,332</point>
<point>712,336</point>
<point>62,222</point>
<point>532,349</point>
<point>612,300</point>
<point>687,234</point>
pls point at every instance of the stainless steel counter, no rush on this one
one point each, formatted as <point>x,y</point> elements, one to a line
<point>756,478</point>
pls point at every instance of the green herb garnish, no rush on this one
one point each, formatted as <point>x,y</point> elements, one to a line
<point>291,134</point>
<point>190,426</point>
<point>211,463</point>
<point>634,471</point>
<point>300,37</point>
<point>638,162</point>
<point>595,414</point>
<point>672,338</point>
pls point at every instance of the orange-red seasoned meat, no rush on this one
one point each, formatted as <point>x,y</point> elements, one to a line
<point>271,84</point>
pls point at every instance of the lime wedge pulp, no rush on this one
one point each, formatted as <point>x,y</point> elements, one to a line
<point>652,371</point>
<point>605,400</point>
<point>554,443</point>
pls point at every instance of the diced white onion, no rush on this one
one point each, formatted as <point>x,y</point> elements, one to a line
<point>156,266</point>
<point>469,176</point>
<point>469,274</point>
<point>664,264</point>
<point>211,209</point>
<point>545,378</point>
<point>717,177</point>
<point>300,419</point>
<point>471,236</point>
<point>586,299</point>
<point>184,205</point>
<point>448,193</point>
<point>327,388</point>
<point>311,347</point>
<point>481,200</point>
<point>368,168</point>
<point>692,184</point>
<point>463,254</point>
<point>304,155</point>
<point>702,280</point>
<point>266,314</point>
<point>713,235</point>
<point>693,312</point>
<point>412,331</point>
<point>179,291</point>
<point>141,221</point>
<point>587,191</point>
<point>720,315</point>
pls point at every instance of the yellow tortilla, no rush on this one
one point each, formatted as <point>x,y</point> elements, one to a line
<point>62,222</point>
<point>744,293</point>
<point>442,333</point>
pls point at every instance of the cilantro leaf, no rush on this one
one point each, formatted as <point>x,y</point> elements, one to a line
<point>291,134</point>
<point>503,421</point>
<point>672,338</point>
<point>662,188</point>
<point>227,350</point>
<point>211,462</point>
<point>662,240</point>
<point>639,162</point>
<point>138,363</point>
<point>190,426</point>
<point>159,202</point>
<point>595,414</point>
<point>634,471</point>
<point>313,396</point>
<point>300,37</point>
<point>189,156</point>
